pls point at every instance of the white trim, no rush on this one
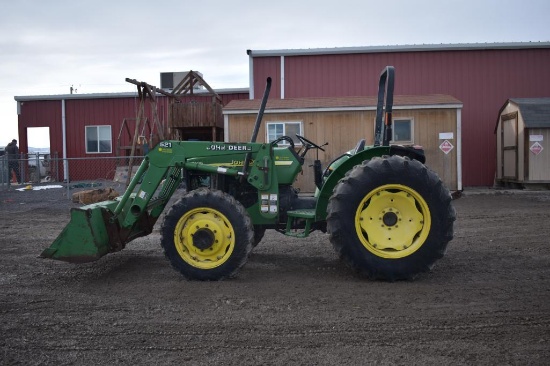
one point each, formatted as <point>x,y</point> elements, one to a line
<point>226,128</point>
<point>428,106</point>
<point>459,148</point>
<point>401,142</point>
<point>250,76</point>
<point>64,138</point>
<point>284,123</point>
<point>340,109</point>
<point>98,139</point>
<point>282,77</point>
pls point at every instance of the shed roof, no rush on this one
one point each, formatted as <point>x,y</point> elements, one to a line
<point>535,111</point>
<point>239,106</point>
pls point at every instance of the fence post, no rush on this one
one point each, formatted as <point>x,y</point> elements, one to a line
<point>67,179</point>
<point>3,170</point>
<point>20,160</point>
<point>54,164</point>
<point>38,173</point>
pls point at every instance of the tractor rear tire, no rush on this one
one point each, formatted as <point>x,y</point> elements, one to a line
<point>207,235</point>
<point>390,218</point>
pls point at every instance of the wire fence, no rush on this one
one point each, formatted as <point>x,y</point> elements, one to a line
<point>34,171</point>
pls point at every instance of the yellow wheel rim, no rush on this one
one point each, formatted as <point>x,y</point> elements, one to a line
<point>204,238</point>
<point>393,221</point>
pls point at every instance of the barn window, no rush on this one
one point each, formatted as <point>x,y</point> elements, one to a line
<point>403,131</point>
<point>275,130</point>
<point>98,139</point>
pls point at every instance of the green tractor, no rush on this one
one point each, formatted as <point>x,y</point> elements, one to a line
<point>387,215</point>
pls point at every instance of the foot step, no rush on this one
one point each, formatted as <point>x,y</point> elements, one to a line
<point>307,214</point>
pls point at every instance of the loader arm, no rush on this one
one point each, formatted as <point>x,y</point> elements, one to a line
<point>104,227</point>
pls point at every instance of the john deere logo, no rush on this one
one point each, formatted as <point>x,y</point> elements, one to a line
<point>227,147</point>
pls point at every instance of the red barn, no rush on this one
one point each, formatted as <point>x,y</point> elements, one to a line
<point>91,125</point>
<point>482,76</point>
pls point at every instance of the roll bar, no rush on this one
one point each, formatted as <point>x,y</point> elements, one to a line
<point>382,135</point>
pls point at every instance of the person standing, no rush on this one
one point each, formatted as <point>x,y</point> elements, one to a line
<point>13,159</point>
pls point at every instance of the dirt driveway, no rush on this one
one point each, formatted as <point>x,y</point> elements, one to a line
<point>294,303</point>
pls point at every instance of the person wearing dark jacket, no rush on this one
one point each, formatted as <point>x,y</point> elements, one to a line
<point>12,152</point>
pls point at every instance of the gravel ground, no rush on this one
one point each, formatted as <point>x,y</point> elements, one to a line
<point>294,303</point>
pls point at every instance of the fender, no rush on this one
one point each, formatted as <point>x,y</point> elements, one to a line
<point>341,166</point>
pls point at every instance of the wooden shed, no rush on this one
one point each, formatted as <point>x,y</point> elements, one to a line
<point>431,121</point>
<point>523,150</point>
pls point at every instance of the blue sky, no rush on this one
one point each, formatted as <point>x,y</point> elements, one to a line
<point>48,46</point>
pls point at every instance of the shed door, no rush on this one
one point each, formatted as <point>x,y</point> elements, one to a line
<point>509,130</point>
<point>538,160</point>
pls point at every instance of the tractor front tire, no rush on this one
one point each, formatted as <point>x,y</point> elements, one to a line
<point>207,235</point>
<point>390,218</point>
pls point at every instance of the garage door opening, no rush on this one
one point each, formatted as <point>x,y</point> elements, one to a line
<point>39,159</point>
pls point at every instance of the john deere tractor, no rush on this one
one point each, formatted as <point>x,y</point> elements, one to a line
<point>387,215</point>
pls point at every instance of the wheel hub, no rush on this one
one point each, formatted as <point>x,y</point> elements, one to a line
<point>203,239</point>
<point>389,218</point>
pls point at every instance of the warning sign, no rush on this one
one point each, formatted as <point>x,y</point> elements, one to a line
<point>446,146</point>
<point>536,148</point>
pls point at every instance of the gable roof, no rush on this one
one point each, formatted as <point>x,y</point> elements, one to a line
<point>340,104</point>
<point>535,111</point>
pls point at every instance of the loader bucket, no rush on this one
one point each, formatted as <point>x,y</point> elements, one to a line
<point>85,238</point>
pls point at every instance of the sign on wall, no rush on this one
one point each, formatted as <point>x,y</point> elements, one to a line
<point>446,147</point>
<point>536,148</point>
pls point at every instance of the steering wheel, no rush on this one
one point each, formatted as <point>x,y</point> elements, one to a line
<point>305,141</point>
<point>283,138</point>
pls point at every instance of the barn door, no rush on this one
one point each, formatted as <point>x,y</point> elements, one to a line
<point>509,131</point>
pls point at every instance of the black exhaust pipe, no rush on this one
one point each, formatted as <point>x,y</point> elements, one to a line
<point>385,88</point>
<point>261,111</point>
<point>257,124</point>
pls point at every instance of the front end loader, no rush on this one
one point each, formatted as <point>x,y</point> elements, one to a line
<point>387,215</point>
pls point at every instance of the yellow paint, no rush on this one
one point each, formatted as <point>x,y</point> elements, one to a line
<point>286,163</point>
<point>387,239</point>
<point>217,225</point>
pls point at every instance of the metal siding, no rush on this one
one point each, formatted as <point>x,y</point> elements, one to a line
<point>481,79</point>
<point>86,111</point>
<point>40,114</point>
<point>226,98</point>
<point>89,111</point>
<point>95,112</point>
<point>270,67</point>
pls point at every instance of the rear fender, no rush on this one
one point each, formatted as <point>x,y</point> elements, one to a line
<point>338,170</point>
<point>340,167</point>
